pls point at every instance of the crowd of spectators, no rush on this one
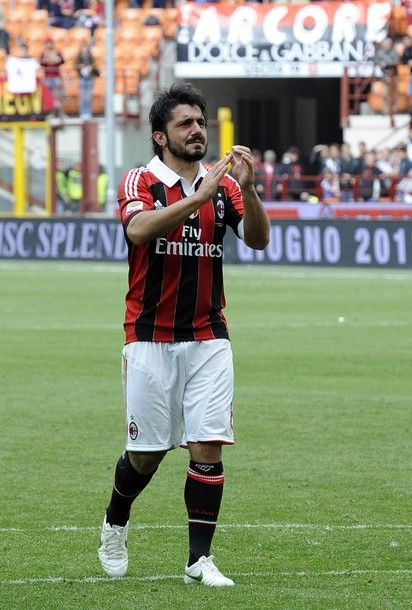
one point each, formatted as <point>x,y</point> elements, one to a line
<point>330,173</point>
<point>335,173</point>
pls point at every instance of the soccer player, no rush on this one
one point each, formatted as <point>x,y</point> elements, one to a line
<point>177,359</point>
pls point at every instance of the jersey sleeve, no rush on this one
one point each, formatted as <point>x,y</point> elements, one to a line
<point>234,205</point>
<point>133,195</point>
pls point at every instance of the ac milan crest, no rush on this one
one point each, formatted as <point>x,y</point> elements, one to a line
<point>220,208</point>
<point>133,430</point>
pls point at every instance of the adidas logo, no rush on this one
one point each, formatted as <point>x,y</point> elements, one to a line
<point>158,205</point>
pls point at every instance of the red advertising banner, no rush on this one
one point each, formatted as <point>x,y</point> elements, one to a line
<point>252,40</point>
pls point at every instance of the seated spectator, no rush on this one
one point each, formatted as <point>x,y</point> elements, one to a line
<point>404,189</point>
<point>4,35</point>
<point>51,60</point>
<point>330,189</point>
<point>370,185</point>
<point>346,186</point>
<point>62,14</point>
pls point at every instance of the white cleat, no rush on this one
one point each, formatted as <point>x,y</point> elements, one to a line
<point>113,550</point>
<point>204,572</point>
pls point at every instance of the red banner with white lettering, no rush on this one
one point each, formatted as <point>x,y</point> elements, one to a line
<point>252,40</point>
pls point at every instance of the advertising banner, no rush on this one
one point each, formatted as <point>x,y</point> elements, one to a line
<point>31,106</point>
<point>349,243</point>
<point>271,40</point>
<point>53,239</point>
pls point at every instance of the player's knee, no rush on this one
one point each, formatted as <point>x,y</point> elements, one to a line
<point>145,463</point>
<point>207,453</point>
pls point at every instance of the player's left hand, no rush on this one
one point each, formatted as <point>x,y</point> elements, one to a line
<point>242,162</point>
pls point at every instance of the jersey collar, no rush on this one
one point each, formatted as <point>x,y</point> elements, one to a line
<point>168,176</point>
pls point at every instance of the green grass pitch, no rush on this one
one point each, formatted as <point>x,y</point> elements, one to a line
<point>316,508</point>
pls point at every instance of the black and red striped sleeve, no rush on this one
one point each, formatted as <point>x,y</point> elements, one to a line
<point>234,203</point>
<point>133,194</point>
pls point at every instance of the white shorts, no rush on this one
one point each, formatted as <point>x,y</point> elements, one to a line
<point>177,393</point>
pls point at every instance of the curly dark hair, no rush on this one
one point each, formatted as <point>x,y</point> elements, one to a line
<point>160,112</point>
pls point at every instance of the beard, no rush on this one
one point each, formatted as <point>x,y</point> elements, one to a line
<point>180,151</point>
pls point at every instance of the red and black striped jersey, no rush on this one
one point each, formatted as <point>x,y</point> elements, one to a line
<point>176,281</point>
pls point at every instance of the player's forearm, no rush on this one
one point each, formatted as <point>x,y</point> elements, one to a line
<point>255,221</point>
<point>150,224</point>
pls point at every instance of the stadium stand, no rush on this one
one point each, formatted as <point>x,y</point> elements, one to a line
<point>138,42</point>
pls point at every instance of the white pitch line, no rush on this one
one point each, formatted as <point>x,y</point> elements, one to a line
<point>61,580</point>
<point>283,271</point>
<point>348,273</point>
<point>279,526</point>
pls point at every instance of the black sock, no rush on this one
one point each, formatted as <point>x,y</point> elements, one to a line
<point>128,484</point>
<point>203,495</point>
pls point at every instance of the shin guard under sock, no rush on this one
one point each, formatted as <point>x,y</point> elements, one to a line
<point>128,484</point>
<point>203,495</point>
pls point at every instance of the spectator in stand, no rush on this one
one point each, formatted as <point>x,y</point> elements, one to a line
<point>346,186</point>
<point>86,68</point>
<point>51,60</point>
<point>347,161</point>
<point>291,168</point>
<point>265,177</point>
<point>330,188</point>
<point>62,13</point>
<point>153,4</point>
<point>403,163</point>
<point>4,35</point>
<point>370,184</point>
<point>406,59</point>
<point>257,158</point>
<point>404,189</point>
<point>21,70</point>
<point>386,57</point>
<point>408,144</point>
<point>91,16</point>
<point>332,161</point>
<point>317,159</point>
<point>360,160</point>
<point>384,163</point>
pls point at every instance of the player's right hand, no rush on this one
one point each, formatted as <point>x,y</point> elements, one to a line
<point>210,182</point>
